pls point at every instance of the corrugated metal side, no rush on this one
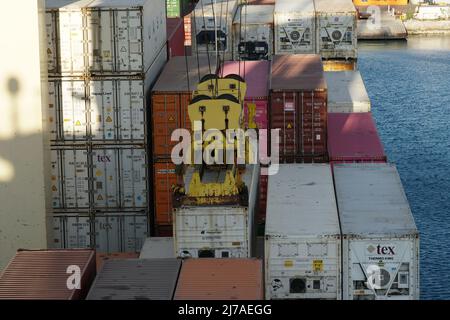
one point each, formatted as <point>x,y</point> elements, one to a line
<point>164,178</point>
<point>43,275</point>
<point>353,137</point>
<point>220,279</point>
<point>152,279</point>
<point>175,37</point>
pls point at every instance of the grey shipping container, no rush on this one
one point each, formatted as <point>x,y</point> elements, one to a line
<point>381,241</point>
<point>157,247</point>
<point>107,233</point>
<point>303,237</point>
<point>136,279</point>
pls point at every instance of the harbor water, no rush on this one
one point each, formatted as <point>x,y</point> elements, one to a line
<point>409,86</point>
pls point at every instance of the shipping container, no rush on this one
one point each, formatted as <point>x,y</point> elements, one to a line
<point>124,37</point>
<point>217,231</point>
<point>157,248</point>
<point>171,96</point>
<point>44,275</point>
<point>111,232</point>
<point>164,179</point>
<point>347,92</point>
<point>253,32</point>
<point>384,2</point>
<point>175,37</point>
<point>220,279</point>
<point>336,35</point>
<point>136,279</point>
<point>303,238</point>
<point>381,241</point>
<point>294,26</point>
<point>102,257</point>
<point>177,8</point>
<point>336,65</point>
<point>260,2</point>
<point>209,19</point>
<point>353,137</point>
<point>299,107</point>
<point>263,184</point>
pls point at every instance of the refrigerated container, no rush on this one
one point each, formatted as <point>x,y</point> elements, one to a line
<point>298,107</point>
<point>164,179</point>
<point>303,238</point>
<point>111,232</point>
<point>175,37</point>
<point>171,95</point>
<point>353,137</point>
<point>295,27</point>
<point>253,32</point>
<point>336,35</point>
<point>136,279</point>
<point>209,19</point>
<point>347,92</point>
<point>45,275</point>
<point>220,279</point>
<point>380,238</point>
<point>157,248</point>
<point>217,231</point>
<point>124,37</point>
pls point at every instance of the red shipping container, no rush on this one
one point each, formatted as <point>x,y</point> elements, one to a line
<point>44,274</point>
<point>298,107</point>
<point>175,37</point>
<point>164,178</point>
<point>353,137</point>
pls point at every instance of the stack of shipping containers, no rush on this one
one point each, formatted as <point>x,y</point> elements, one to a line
<point>103,58</point>
<point>169,111</point>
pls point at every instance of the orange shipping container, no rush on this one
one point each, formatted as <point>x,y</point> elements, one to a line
<point>170,99</point>
<point>164,179</point>
<point>380,2</point>
<point>220,279</point>
<point>339,65</point>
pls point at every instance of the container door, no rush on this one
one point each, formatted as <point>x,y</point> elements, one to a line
<point>100,40</point>
<point>129,41</point>
<point>78,232</point>
<point>75,178</point>
<point>165,178</point>
<point>106,178</point>
<point>53,103</point>
<point>71,35</point>
<point>165,115</point>
<point>52,42</point>
<point>107,234</point>
<point>56,179</point>
<point>133,178</point>
<point>131,110</point>
<point>102,110</point>
<point>58,233</point>
<point>73,107</point>
<point>135,231</point>
<point>284,117</point>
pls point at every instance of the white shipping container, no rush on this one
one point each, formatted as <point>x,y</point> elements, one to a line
<point>125,36</point>
<point>119,177</point>
<point>158,248</point>
<point>72,97</point>
<point>253,32</point>
<point>52,113</point>
<point>207,20</point>
<point>303,239</point>
<point>70,178</point>
<point>346,92</point>
<point>222,231</point>
<point>381,241</point>
<point>336,29</point>
<point>294,27</point>
<point>71,231</point>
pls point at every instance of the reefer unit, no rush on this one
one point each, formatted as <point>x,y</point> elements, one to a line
<point>295,27</point>
<point>303,239</point>
<point>220,279</point>
<point>298,107</point>
<point>353,137</point>
<point>136,279</point>
<point>217,231</point>
<point>380,238</point>
<point>347,92</point>
<point>336,35</point>
<point>44,275</point>
<point>108,233</point>
<point>253,32</point>
<point>209,20</point>
<point>157,248</point>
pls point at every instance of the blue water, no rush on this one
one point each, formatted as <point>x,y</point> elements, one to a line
<point>409,86</point>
